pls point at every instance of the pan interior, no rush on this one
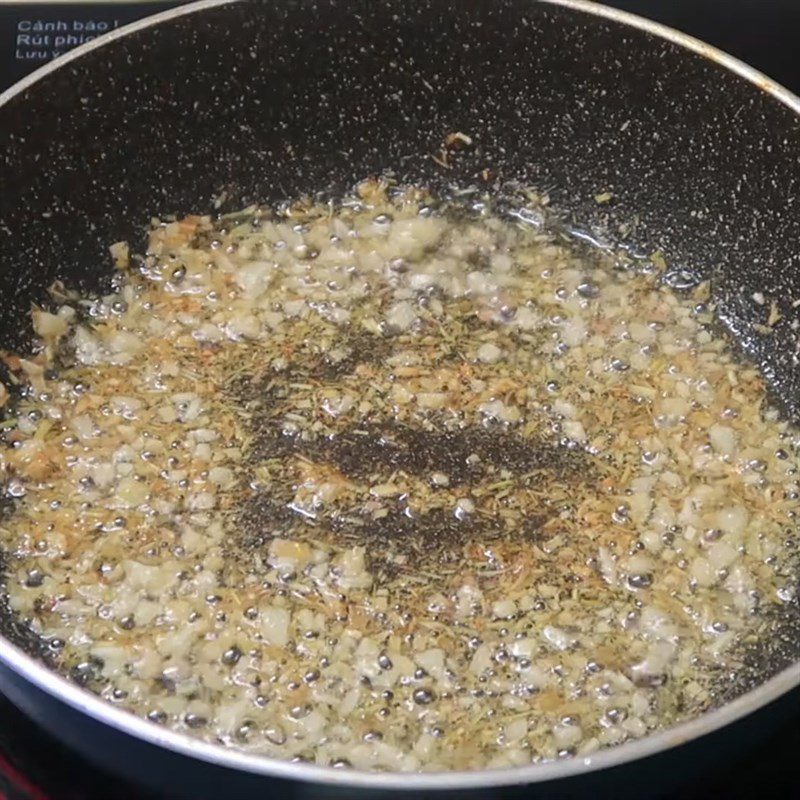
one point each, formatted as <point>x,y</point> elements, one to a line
<point>569,122</point>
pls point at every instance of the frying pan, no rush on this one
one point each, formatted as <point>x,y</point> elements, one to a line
<point>255,102</point>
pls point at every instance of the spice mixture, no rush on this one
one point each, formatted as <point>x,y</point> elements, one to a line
<point>394,482</point>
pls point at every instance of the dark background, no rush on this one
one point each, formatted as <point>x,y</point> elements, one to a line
<point>763,33</point>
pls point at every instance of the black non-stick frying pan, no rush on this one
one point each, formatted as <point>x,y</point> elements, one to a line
<point>262,101</point>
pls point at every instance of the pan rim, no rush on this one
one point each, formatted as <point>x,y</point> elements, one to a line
<point>125,722</point>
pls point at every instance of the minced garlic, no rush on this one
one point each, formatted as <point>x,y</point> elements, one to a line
<point>397,483</point>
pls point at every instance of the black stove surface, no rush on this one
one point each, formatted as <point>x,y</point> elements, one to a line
<point>763,33</point>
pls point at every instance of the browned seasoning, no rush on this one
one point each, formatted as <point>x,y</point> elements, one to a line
<point>396,481</point>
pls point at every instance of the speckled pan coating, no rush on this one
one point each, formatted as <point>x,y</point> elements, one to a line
<point>259,102</point>
<point>267,101</point>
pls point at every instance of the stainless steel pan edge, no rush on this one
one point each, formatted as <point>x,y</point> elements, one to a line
<point>60,688</point>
